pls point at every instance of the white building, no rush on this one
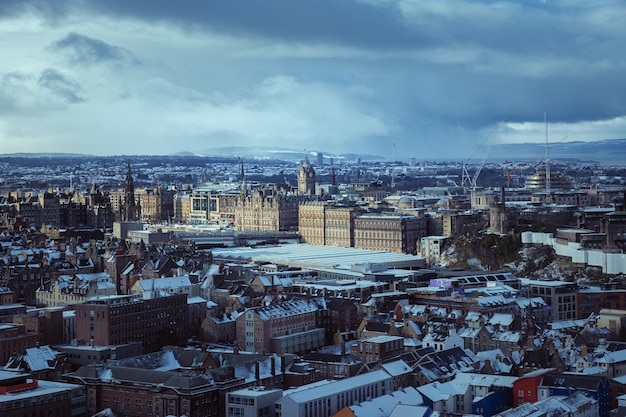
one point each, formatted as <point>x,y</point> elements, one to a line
<point>316,400</point>
<point>252,402</point>
<point>430,247</point>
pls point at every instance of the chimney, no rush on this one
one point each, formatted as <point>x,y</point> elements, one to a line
<point>257,371</point>
<point>283,365</point>
<point>273,362</point>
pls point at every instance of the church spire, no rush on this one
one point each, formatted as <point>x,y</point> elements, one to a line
<point>131,210</point>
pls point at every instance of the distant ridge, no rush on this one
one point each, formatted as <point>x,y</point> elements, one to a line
<point>603,151</point>
<point>47,155</point>
<point>606,151</point>
<point>284,154</point>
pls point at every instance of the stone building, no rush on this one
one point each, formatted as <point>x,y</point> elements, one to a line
<point>266,210</point>
<point>389,232</point>
<point>328,224</point>
<point>306,178</point>
<point>325,224</point>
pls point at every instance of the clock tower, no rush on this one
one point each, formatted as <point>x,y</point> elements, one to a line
<point>306,178</point>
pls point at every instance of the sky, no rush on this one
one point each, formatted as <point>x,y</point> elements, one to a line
<point>396,78</point>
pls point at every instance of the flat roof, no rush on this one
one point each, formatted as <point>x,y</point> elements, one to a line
<point>333,387</point>
<point>309,256</point>
<point>547,283</point>
<point>255,391</point>
<point>43,388</point>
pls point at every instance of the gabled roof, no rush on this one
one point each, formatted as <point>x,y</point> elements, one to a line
<point>501,319</point>
<point>445,363</point>
<point>288,308</point>
<point>385,404</point>
<point>396,368</point>
<point>164,283</point>
<point>587,382</point>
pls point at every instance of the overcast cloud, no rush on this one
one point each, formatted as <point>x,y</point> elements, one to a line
<point>437,77</point>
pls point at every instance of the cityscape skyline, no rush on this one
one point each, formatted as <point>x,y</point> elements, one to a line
<point>446,78</point>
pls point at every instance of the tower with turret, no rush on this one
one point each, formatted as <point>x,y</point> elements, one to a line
<point>130,210</point>
<point>306,178</point>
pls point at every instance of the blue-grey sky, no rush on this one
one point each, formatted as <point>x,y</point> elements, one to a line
<point>438,78</point>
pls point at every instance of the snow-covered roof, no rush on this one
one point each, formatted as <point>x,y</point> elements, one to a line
<point>195,300</point>
<point>304,255</point>
<point>506,336</point>
<point>472,316</point>
<point>501,319</point>
<point>493,300</point>
<point>396,368</point>
<point>384,405</point>
<point>272,280</point>
<point>534,302</point>
<point>485,380</point>
<point>164,283</point>
<point>401,410</point>
<point>40,358</point>
<point>435,392</point>
<point>313,391</point>
<point>287,308</point>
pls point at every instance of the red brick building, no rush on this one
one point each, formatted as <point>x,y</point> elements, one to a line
<point>15,340</point>
<point>287,327</point>
<point>148,392</point>
<point>21,395</point>
<point>589,301</point>
<point>114,320</point>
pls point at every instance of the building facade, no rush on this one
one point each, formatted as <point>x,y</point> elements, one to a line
<point>325,224</point>
<point>560,296</point>
<point>306,178</point>
<point>389,232</point>
<point>252,402</point>
<point>328,398</point>
<point>266,210</point>
<point>287,327</point>
<point>21,395</point>
<point>118,320</point>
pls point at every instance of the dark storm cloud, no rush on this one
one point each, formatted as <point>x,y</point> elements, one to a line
<point>60,85</point>
<point>83,50</point>
<point>429,75</point>
<point>331,21</point>
<point>473,93</point>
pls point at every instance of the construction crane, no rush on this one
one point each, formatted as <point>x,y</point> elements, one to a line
<point>468,182</point>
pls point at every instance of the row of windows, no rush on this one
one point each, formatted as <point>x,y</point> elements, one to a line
<point>235,399</point>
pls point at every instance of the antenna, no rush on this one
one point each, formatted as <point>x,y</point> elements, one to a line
<point>393,164</point>
<point>548,179</point>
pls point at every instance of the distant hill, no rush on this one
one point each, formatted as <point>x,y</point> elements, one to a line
<point>608,151</point>
<point>611,151</point>
<point>284,154</point>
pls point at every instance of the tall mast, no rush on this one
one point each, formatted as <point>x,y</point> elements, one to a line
<point>548,179</point>
<point>393,165</point>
